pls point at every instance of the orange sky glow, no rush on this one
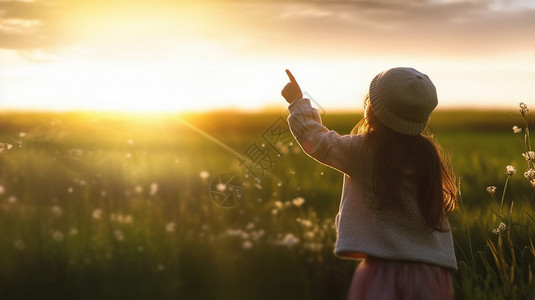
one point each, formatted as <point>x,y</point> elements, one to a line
<point>176,56</point>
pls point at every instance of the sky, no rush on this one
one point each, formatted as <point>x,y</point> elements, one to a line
<point>162,55</point>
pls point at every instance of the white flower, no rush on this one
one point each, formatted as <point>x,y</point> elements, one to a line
<point>523,108</point>
<point>510,170</point>
<point>57,210</point>
<point>204,174</point>
<point>289,240</point>
<point>305,223</point>
<point>153,189</point>
<point>97,213</point>
<point>58,236</point>
<point>517,129</point>
<point>119,235</point>
<point>491,190</point>
<point>529,174</point>
<point>298,201</point>
<point>19,244</point>
<point>278,204</point>
<point>501,228</point>
<point>22,134</point>
<point>247,245</point>
<point>530,155</point>
<point>170,227</point>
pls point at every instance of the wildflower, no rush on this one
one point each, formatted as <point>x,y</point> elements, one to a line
<point>510,170</point>
<point>204,175</point>
<point>97,213</point>
<point>523,108</point>
<point>73,232</point>
<point>70,190</point>
<point>501,228</point>
<point>57,210</point>
<point>22,134</point>
<point>491,190</point>
<point>517,129</point>
<point>19,244</point>
<point>278,204</point>
<point>305,223</point>
<point>12,199</point>
<point>250,226</point>
<point>298,201</point>
<point>57,236</point>
<point>530,155</point>
<point>170,227</point>
<point>119,235</point>
<point>247,245</point>
<point>289,240</point>
<point>153,189</point>
<point>2,189</point>
<point>529,174</point>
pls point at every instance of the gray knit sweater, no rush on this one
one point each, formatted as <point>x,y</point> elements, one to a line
<point>362,228</point>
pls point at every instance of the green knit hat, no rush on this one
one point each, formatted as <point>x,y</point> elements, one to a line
<point>402,99</point>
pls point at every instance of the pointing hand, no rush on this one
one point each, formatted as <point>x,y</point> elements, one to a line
<point>291,90</point>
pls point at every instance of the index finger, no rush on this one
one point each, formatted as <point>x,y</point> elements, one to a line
<point>292,78</point>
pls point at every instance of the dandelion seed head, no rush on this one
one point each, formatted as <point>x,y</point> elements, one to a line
<point>510,170</point>
<point>517,129</point>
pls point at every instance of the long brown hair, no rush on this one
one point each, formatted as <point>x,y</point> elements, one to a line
<point>394,154</point>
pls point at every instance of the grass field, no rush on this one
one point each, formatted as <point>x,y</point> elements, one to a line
<point>102,206</point>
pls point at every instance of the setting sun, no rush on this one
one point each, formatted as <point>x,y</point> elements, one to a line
<point>186,56</point>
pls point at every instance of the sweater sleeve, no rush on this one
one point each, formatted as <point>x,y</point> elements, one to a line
<point>320,143</point>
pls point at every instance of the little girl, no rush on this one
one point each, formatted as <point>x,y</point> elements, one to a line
<point>397,188</point>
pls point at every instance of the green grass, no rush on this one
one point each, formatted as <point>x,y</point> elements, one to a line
<point>141,176</point>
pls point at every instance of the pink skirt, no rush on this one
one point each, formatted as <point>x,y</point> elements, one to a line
<point>381,279</point>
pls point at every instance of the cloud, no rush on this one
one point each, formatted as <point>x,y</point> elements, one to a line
<point>301,28</point>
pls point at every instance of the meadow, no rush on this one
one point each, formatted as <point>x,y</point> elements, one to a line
<point>110,206</point>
